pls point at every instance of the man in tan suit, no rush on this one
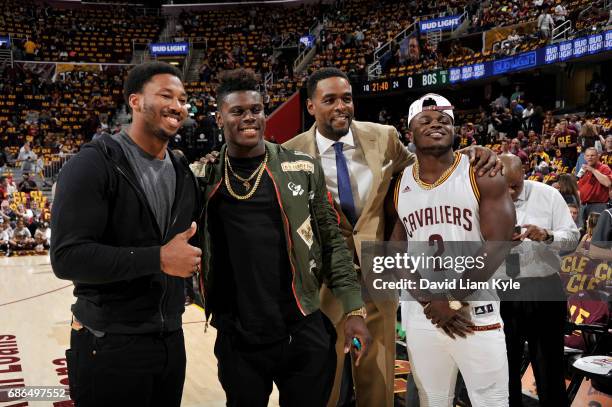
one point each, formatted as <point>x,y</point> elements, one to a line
<point>359,160</point>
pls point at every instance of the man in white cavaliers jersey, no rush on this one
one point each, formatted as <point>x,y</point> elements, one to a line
<point>435,200</point>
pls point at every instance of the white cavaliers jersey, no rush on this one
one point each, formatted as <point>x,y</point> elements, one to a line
<point>448,212</point>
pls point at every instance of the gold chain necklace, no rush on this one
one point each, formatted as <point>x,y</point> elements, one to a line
<point>245,181</point>
<point>259,170</point>
<point>417,175</point>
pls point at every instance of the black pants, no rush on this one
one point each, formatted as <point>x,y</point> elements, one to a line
<point>303,367</point>
<point>126,370</point>
<point>541,324</point>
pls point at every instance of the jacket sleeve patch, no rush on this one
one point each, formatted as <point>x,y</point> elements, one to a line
<point>305,232</point>
<point>306,166</point>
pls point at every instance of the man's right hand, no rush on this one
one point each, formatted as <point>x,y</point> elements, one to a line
<point>178,258</point>
<point>459,325</point>
<point>210,158</point>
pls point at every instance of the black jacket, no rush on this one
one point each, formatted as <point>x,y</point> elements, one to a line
<point>106,240</point>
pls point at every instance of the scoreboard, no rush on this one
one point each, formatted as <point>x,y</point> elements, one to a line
<point>550,54</point>
<point>418,81</point>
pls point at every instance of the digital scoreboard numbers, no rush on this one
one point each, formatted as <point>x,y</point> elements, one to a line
<point>428,79</point>
<point>410,82</point>
<point>550,54</point>
<point>381,86</point>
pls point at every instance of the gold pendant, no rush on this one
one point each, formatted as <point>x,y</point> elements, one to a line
<point>247,185</point>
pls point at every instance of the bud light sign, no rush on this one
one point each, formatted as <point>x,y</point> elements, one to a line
<point>443,24</point>
<point>173,48</point>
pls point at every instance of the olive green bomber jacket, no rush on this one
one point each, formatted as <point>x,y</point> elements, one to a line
<point>316,248</point>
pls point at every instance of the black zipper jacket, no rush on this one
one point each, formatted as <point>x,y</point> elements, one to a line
<point>106,240</point>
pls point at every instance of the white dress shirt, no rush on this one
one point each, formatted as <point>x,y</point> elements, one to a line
<point>359,172</point>
<point>542,205</point>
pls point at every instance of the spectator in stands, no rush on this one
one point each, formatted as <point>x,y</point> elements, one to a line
<point>6,235</point>
<point>568,187</point>
<point>594,184</point>
<point>549,149</point>
<point>527,113</point>
<point>27,184</point>
<point>537,120</point>
<point>518,94</point>
<point>414,50</point>
<point>560,14</point>
<point>23,213</point>
<point>3,188</point>
<point>98,133</point>
<point>545,24</point>
<point>35,208</point>
<point>6,212</point>
<point>458,50</point>
<point>515,149</point>
<point>31,49</point>
<point>575,212</point>
<point>22,238</point>
<point>27,157</point>
<point>42,237</point>
<point>505,147</point>
<point>567,141</point>
<point>3,162</point>
<point>606,155</point>
<point>501,101</point>
<point>545,218</point>
<point>588,134</point>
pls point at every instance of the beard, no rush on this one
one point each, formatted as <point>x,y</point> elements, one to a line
<point>338,132</point>
<point>157,131</point>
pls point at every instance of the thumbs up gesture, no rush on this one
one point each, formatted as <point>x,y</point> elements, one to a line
<point>178,258</point>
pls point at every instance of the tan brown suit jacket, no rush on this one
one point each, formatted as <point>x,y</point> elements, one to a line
<point>385,155</point>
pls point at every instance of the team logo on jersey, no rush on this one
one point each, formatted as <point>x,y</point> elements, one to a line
<point>407,189</point>
<point>297,166</point>
<point>483,309</point>
<point>295,189</point>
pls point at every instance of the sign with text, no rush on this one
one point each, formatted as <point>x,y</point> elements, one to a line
<point>172,48</point>
<point>443,24</point>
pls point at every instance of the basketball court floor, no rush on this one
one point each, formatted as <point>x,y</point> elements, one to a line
<point>35,309</point>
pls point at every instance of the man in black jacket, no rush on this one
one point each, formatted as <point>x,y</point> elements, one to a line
<point>122,221</point>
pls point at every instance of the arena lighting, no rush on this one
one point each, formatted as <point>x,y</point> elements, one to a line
<point>173,63</point>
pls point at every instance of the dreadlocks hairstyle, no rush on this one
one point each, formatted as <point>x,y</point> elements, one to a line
<point>238,80</point>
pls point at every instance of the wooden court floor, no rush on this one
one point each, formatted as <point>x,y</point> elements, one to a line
<point>35,309</point>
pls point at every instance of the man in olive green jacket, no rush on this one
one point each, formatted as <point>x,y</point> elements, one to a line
<point>270,239</point>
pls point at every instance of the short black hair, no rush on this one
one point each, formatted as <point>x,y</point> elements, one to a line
<point>237,80</point>
<point>321,74</point>
<point>141,74</point>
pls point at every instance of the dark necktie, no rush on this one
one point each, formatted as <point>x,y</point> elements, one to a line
<point>344,185</point>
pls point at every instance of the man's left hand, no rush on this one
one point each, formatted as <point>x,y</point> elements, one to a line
<point>355,327</point>
<point>587,167</point>
<point>535,233</point>
<point>484,160</point>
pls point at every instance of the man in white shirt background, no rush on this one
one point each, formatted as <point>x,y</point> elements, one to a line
<point>545,24</point>
<point>536,313</point>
